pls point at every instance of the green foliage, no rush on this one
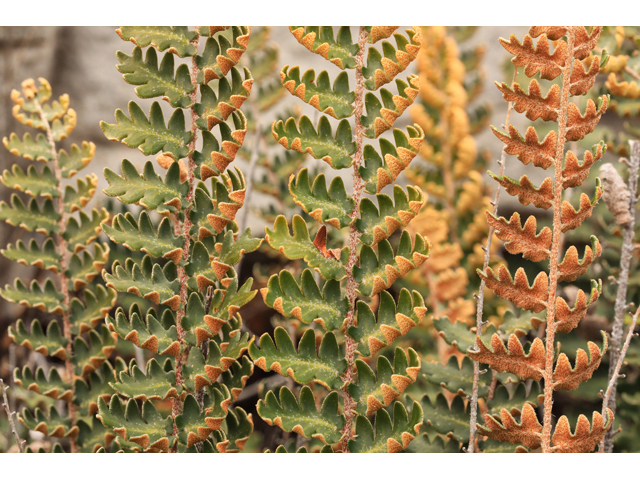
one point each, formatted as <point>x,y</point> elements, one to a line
<point>191,244</point>
<point>64,247</point>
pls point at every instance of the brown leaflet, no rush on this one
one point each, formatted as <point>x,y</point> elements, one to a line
<point>504,428</point>
<point>574,173</point>
<point>571,266</point>
<point>537,59</point>
<point>584,42</point>
<point>517,290</point>
<point>586,436</point>
<point>527,192</point>
<point>578,125</point>
<point>533,103</point>
<point>533,246</point>
<point>568,318</point>
<point>553,33</point>
<point>581,79</point>
<point>529,149</point>
<point>572,218</point>
<point>567,378</point>
<point>511,359</point>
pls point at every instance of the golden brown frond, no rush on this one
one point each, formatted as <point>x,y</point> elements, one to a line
<point>630,90</point>
<point>533,104</point>
<point>451,283</point>
<point>443,256</point>
<point>512,358</point>
<point>584,41</point>
<point>539,58</point>
<point>586,436</point>
<point>505,428</point>
<point>517,290</point>
<point>529,149</point>
<point>525,240</point>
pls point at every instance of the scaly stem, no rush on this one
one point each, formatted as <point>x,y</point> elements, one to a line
<point>610,395</point>
<point>354,236</point>
<point>185,233</point>
<point>473,403</point>
<point>621,296</point>
<point>555,245</point>
<point>10,415</point>
<point>61,247</point>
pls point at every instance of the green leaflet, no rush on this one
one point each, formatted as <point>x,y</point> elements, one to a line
<point>381,68</point>
<point>50,385</point>
<point>325,367</point>
<point>513,401</point>
<point>176,39</point>
<point>453,421</point>
<point>84,266</point>
<point>157,384</point>
<point>378,225</point>
<point>304,301</point>
<point>199,372</point>
<point>377,272</point>
<point>373,392</point>
<point>147,280</point>
<point>38,149</point>
<point>87,391</point>
<point>155,333</point>
<point>59,129</point>
<point>153,81</point>
<point>44,256</point>
<point>148,430</point>
<point>459,335</point>
<point>332,206</point>
<point>388,437</point>
<point>220,54</point>
<point>80,234</point>
<point>239,427</point>
<point>87,357</point>
<point>195,426</point>
<point>76,198</point>
<point>231,249</point>
<point>321,144</point>
<point>299,245</point>
<point>52,424</point>
<point>303,417</point>
<point>31,217</point>
<point>142,235</point>
<point>381,169</point>
<point>92,437</point>
<point>226,303</point>
<point>381,116</point>
<point>339,49</point>
<point>212,211</point>
<point>457,379</point>
<point>77,159</point>
<point>336,102</point>
<point>51,343</point>
<point>216,156</point>
<point>200,268</point>
<point>150,135</point>
<point>84,316</point>
<point>236,377</point>
<point>46,298</point>
<point>213,109</point>
<point>148,189</point>
<point>393,320</point>
<point>32,182</point>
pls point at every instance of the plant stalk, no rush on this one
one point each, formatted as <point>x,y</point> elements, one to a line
<point>354,236</point>
<point>10,415</point>
<point>615,355</point>
<point>555,245</point>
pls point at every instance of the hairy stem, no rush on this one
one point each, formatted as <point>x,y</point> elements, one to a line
<point>10,414</point>
<point>186,228</point>
<point>621,297</point>
<point>354,236</point>
<point>473,403</point>
<point>555,245</point>
<point>61,246</point>
<point>610,395</point>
